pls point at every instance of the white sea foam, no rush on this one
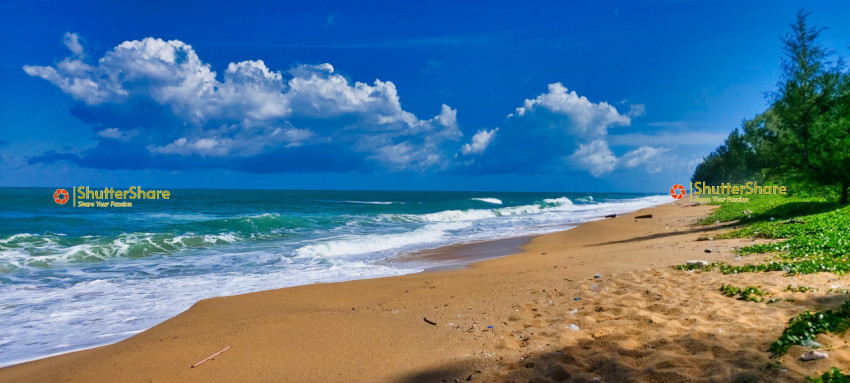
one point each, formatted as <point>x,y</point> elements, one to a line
<point>42,250</point>
<point>219,238</point>
<point>558,201</point>
<point>93,313</point>
<point>456,215</point>
<point>562,203</point>
<point>14,237</point>
<point>375,243</point>
<point>494,201</point>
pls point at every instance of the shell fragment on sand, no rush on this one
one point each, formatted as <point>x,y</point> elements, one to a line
<point>813,355</point>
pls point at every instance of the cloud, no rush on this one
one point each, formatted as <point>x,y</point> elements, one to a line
<point>555,132</point>
<point>72,42</point>
<point>561,131</point>
<point>637,110</point>
<point>679,138</point>
<point>117,134</point>
<point>155,104</point>
<point>159,101</point>
<point>648,156</point>
<point>673,124</point>
<point>585,118</point>
<point>479,142</point>
<point>595,157</point>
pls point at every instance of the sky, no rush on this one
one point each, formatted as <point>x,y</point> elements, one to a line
<point>435,95</point>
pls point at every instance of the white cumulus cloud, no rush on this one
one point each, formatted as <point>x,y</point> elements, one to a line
<point>480,141</point>
<point>248,110</point>
<point>594,157</point>
<point>586,119</point>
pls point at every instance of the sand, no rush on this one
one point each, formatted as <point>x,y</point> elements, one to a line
<point>640,320</point>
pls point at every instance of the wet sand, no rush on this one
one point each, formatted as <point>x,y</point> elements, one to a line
<point>551,318</point>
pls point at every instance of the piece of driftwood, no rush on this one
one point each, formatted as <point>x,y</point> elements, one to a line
<point>610,216</point>
<point>211,356</point>
<point>644,216</point>
<point>429,322</point>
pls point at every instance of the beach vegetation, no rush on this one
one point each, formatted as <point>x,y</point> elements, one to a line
<point>799,289</point>
<point>807,325</point>
<point>749,293</point>
<point>810,234</point>
<point>834,375</point>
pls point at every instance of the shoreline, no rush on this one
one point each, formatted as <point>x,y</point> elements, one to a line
<point>455,256</point>
<point>540,304</point>
<point>458,256</point>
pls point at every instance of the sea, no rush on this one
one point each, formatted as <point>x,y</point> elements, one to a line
<point>73,278</point>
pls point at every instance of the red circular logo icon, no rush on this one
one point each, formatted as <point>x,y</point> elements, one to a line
<point>60,196</point>
<point>677,191</point>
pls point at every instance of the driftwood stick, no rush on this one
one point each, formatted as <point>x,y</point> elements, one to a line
<point>429,322</point>
<point>211,356</point>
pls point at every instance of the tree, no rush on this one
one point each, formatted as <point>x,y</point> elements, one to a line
<point>735,161</point>
<point>812,135</point>
<point>804,137</point>
<point>744,155</point>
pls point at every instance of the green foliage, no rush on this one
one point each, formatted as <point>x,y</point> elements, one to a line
<point>834,375</point>
<point>813,243</point>
<point>812,137</point>
<point>691,267</point>
<point>768,208</point>
<point>799,289</point>
<point>808,325</point>
<point>816,234</point>
<point>803,138</point>
<point>749,293</point>
<point>812,266</point>
<point>735,161</point>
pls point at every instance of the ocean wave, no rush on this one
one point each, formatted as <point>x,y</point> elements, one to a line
<point>47,250</point>
<point>562,203</point>
<point>25,250</point>
<point>374,243</point>
<point>494,201</point>
<point>15,239</point>
<point>247,225</point>
<point>365,202</point>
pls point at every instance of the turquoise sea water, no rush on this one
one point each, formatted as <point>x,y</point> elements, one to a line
<point>73,278</point>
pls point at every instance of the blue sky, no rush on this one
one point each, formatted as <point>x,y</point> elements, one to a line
<point>595,96</point>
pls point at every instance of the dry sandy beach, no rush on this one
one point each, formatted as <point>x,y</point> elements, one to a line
<point>551,318</point>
